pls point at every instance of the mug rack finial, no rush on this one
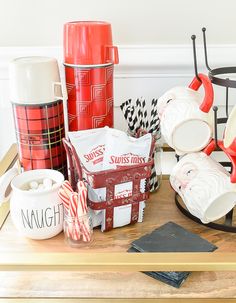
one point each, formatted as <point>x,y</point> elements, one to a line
<point>193,37</point>
<point>205,48</point>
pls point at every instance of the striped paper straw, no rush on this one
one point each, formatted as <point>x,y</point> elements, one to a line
<point>139,113</point>
<point>133,120</point>
<point>129,116</point>
<point>145,118</point>
<point>154,123</point>
<point>124,105</point>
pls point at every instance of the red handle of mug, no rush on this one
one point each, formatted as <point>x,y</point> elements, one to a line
<point>212,146</point>
<point>208,90</point>
<point>112,54</point>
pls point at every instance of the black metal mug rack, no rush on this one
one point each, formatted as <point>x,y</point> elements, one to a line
<point>227,223</point>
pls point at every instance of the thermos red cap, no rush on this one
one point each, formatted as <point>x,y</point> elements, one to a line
<point>89,43</point>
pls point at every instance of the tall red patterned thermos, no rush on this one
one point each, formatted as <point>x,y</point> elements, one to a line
<point>89,58</point>
<point>37,101</point>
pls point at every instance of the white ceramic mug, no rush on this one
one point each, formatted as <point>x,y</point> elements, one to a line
<point>35,80</point>
<point>185,119</point>
<point>36,215</point>
<point>230,133</point>
<point>204,186</point>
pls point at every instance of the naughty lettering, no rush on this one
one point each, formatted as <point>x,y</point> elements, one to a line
<point>41,218</point>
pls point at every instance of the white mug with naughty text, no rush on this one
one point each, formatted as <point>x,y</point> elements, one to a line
<point>37,214</point>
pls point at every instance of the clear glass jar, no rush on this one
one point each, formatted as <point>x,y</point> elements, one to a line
<point>78,231</point>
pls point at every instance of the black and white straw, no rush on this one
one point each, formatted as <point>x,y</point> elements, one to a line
<point>138,117</point>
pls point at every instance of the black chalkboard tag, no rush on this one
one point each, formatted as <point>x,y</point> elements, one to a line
<point>171,237</point>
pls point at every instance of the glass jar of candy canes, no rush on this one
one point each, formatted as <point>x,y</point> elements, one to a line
<point>78,230</point>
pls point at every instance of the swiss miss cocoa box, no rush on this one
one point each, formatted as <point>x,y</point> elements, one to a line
<point>112,150</point>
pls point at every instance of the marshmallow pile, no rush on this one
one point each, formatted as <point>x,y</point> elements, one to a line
<point>39,185</point>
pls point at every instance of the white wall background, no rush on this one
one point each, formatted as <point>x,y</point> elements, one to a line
<point>153,37</point>
<point>40,22</point>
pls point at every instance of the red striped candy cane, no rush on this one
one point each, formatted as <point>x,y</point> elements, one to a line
<point>70,201</point>
<point>66,203</point>
<point>64,198</point>
<point>82,190</point>
<point>82,210</point>
<point>72,213</point>
<point>67,188</point>
<point>73,204</point>
<point>86,229</point>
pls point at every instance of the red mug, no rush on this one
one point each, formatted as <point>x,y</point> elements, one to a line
<point>89,43</point>
<point>208,89</point>
<point>212,147</point>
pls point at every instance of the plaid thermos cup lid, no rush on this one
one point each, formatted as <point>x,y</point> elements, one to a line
<point>34,80</point>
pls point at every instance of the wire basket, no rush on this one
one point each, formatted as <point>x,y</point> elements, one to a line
<point>109,179</point>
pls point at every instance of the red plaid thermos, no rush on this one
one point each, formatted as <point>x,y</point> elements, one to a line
<point>37,103</point>
<point>89,61</point>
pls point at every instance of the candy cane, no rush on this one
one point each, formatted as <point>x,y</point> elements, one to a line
<point>87,233</point>
<point>76,206</point>
<point>73,204</point>
<point>67,188</point>
<point>83,210</point>
<point>73,214</point>
<point>84,200</point>
<point>76,232</point>
<point>66,202</point>
<point>64,198</point>
<point>82,189</point>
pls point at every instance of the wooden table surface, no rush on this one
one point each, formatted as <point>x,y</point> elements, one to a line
<point>159,209</point>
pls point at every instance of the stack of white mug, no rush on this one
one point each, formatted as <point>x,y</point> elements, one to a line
<point>205,186</point>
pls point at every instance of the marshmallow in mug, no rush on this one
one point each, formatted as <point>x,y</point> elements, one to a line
<point>36,185</point>
<point>183,125</point>
<point>204,186</point>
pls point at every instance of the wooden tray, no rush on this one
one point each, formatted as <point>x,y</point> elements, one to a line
<point>50,271</point>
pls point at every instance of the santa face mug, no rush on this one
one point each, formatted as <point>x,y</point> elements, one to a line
<point>204,186</point>
<point>186,119</point>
